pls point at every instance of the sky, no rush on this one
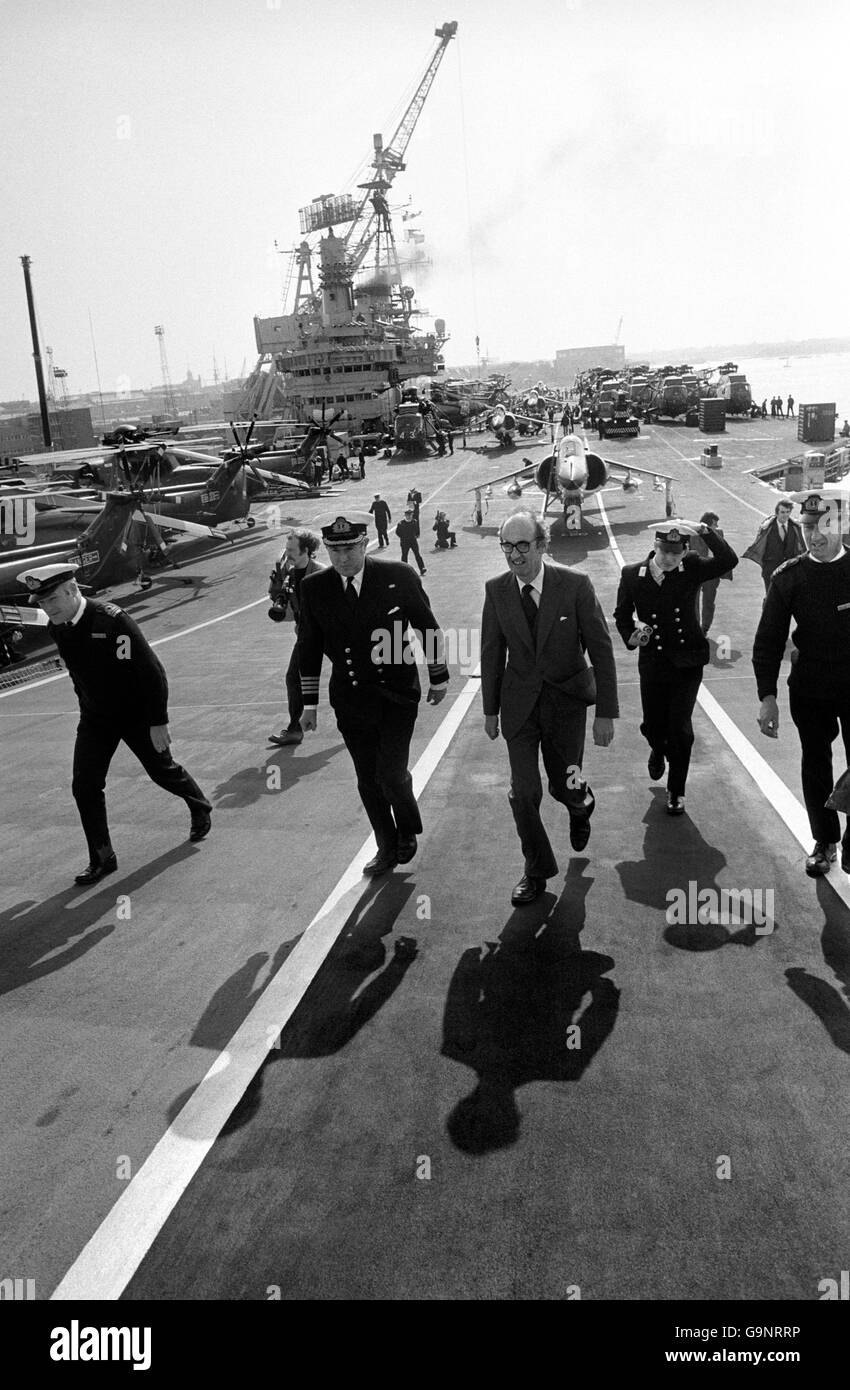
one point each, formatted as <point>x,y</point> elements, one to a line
<point>677,164</point>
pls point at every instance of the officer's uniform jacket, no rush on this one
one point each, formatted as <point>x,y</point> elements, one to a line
<point>516,667</point>
<point>116,675</point>
<point>669,608</point>
<point>367,646</point>
<point>816,594</point>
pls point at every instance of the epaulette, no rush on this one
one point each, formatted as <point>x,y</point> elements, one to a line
<point>786,564</point>
<point>113,610</point>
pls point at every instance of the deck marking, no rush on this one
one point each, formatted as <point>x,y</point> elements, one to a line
<point>707,474</point>
<point>770,784</point>
<point>158,642</point>
<point>112,1255</point>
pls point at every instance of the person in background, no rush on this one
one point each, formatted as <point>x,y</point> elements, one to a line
<point>414,500</point>
<point>408,535</point>
<point>383,516</point>
<point>445,538</point>
<point>778,539</point>
<point>295,564</point>
<point>707,596</point>
<point>779,410</point>
<point>790,407</point>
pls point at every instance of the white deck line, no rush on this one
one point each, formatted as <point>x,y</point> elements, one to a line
<point>110,1258</point>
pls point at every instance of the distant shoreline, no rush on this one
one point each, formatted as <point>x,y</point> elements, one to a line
<point>809,347</point>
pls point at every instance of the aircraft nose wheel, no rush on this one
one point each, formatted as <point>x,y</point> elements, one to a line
<point>145,581</point>
<point>250,522</point>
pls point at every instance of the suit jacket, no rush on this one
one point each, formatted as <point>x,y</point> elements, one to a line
<point>515,668</point>
<point>369,648</point>
<point>767,549</point>
<point>670,607</point>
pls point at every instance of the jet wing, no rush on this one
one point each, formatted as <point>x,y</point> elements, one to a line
<point>504,477</point>
<point>632,468</point>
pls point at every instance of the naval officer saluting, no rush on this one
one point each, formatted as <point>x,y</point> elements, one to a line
<point>359,614</point>
<point>814,590</point>
<point>123,694</point>
<point>661,592</point>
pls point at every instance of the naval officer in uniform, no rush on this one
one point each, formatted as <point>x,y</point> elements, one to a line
<point>359,614</point>
<point>814,590</point>
<point>123,694</point>
<point>657,612</point>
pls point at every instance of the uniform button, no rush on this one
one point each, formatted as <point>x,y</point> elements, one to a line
<point>348,649</point>
<point>675,610</point>
<point>348,661</point>
<point>354,682</point>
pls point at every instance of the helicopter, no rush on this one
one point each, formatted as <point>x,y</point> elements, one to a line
<point>116,546</point>
<point>569,475</point>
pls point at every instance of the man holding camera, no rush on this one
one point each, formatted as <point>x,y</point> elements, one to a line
<point>296,562</point>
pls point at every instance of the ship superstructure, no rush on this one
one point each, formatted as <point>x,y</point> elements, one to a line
<point>350,341</point>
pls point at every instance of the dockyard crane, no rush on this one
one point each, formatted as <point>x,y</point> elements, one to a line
<point>168,389</point>
<point>372,215</point>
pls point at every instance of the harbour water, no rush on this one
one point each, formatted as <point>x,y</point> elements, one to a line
<point>808,378</point>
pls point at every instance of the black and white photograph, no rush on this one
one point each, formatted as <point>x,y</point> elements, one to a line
<point>425,454</point>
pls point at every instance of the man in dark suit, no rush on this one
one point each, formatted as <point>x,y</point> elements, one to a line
<point>293,567</point>
<point>383,516</point>
<point>359,613</point>
<point>662,592</point>
<point>538,620</point>
<point>778,539</point>
<point>123,693</point>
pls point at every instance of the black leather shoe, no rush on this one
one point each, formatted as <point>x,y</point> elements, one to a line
<point>675,805</point>
<point>95,872</point>
<point>845,853</point>
<point>286,737</point>
<point>655,765</point>
<point>384,860</point>
<point>527,890</point>
<point>405,848</point>
<point>579,832</point>
<point>200,827</point>
<point>821,859</point>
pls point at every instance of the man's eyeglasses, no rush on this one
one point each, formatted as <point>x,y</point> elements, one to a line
<point>522,546</point>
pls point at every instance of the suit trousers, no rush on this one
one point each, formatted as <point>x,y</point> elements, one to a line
<point>707,601</point>
<point>817,723</point>
<point>668,694</point>
<point>559,737</point>
<point>94,750</point>
<point>377,735</point>
<point>293,690</point>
